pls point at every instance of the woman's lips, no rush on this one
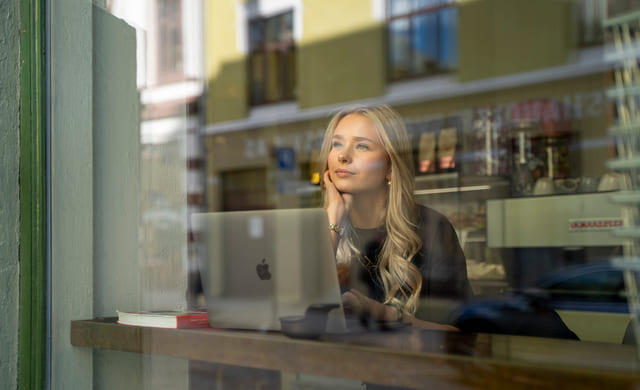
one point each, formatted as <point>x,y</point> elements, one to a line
<point>343,173</point>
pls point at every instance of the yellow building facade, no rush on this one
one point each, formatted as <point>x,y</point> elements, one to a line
<point>510,54</point>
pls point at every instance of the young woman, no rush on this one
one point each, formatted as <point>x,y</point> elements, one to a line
<point>397,251</point>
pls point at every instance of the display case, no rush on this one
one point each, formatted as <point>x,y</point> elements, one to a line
<point>462,199</point>
<point>515,163</point>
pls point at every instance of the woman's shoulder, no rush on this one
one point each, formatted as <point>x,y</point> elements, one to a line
<point>433,227</point>
<point>428,216</point>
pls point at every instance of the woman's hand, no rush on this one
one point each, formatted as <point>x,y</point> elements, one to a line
<point>363,306</point>
<point>338,203</point>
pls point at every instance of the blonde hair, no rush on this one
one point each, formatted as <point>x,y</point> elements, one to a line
<point>401,279</point>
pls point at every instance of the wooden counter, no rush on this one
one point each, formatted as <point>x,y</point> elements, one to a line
<point>411,358</point>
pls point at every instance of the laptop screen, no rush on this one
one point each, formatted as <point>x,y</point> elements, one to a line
<point>258,266</point>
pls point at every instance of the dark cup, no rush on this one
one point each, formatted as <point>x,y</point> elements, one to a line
<point>310,326</point>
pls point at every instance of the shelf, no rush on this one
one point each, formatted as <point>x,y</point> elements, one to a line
<point>627,232</point>
<point>620,93</point>
<point>448,176</point>
<point>469,240</point>
<point>626,197</point>
<point>624,163</point>
<point>451,190</point>
<point>618,20</point>
<point>615,57</point>
<point>632,128</point>
<point>409,358</point>
<point>454,183</point>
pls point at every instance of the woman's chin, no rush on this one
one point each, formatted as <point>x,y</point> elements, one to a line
<point>341,187</point>
<point>346,190</point>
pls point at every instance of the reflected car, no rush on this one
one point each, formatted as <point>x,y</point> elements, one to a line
<point>592,287</point>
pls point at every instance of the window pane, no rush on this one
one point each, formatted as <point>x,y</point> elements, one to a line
<point>290,73</point>
<point>256,35</point>
<point>170,44</point>
<point>399,49</point>
<point>448,29</point>
<point>510,143</point>
<point>256,64</point>
<point>273,38</point>
<point>399,7</point>
<point>287,27</point>
<point>417,4</point>
<point>274,76</point>
<point>425,43</point>
<point>272,30</point>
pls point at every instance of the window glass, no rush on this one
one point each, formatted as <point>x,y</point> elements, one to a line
<point>398,7</point>
<point>430,180</point>
<point>432,43</point>
<point>170,26</point>
<point>449,38</point>
<point>271,41</point>
<point>256,38</point>
<point>399,47</point>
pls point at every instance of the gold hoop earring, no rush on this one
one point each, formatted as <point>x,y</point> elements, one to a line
<point>389,182</point>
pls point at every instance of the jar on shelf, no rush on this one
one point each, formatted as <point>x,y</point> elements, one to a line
<point>487,150</point>
<point>438,144</point>
<point>526,166</point>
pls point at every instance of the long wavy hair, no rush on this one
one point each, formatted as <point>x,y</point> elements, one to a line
<point>401,279</point>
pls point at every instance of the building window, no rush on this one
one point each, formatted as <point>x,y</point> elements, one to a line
<point>170,53</point>
<point>272,59</point>
<point>422,37</point>
<point>590,15</point>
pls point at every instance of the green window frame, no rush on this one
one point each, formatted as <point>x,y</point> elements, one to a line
<point>32,341</point>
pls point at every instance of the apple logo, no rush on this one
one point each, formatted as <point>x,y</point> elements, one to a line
<point>263,270</point>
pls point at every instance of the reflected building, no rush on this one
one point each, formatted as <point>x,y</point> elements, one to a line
<point>276,71</point>
<point>125,118</point>
<point>503,101</point>
<point>169,70</point>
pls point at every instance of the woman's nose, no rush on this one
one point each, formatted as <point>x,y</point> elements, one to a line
<point>343,156</point>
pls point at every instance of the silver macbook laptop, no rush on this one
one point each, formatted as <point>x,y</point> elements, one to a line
<point>258,266</point>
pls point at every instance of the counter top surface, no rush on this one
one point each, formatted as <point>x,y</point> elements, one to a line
<point>409,357</point>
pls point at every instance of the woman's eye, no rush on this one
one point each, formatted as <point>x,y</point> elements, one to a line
<point>362,147</point>
<point>336,144</point>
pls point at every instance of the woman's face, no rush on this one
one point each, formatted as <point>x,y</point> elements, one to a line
<point>357,161</point>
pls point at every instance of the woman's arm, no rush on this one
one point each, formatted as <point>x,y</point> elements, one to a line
<point>360,304</point>
<point>337,206</point>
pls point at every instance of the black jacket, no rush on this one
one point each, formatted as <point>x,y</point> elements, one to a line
<point>440,259</point>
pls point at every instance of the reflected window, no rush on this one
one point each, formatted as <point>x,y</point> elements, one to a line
<point>590,14</point>
<point>169,39</point>
<point>272,59</point>
<point>589,284</point>
<point>422,37</point>
<point>245,189</point>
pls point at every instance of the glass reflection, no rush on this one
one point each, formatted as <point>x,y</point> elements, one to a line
<point>510,130</point>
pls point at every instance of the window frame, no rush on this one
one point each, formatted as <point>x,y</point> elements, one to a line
<point>409,16</point>
<point>33,291</point>
<point>165,50</point>
<point>282,48</point>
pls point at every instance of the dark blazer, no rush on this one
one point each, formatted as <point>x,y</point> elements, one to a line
<point>440,259</point>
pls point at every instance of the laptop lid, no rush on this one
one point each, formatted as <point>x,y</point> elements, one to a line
<point>258,266</point>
